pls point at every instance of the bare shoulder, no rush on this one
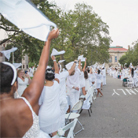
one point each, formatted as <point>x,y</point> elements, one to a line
<point>17,114</point>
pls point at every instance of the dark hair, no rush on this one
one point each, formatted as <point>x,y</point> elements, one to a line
<point>85,74</point>
<point>6,76</point>
<point>49,74</point>
<point>99,71</point>
<point>132,72</point>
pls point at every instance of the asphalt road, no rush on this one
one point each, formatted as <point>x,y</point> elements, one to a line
<point>115,115</point>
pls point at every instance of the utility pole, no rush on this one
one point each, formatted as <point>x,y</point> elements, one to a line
<point>12,57</point>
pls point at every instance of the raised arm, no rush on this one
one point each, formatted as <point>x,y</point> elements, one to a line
<point>33,91</point>
<point>72,68</point>
<point>79,64</point>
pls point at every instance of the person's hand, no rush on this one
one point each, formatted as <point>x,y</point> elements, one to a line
<point>85,59</point>
<point>53,34</point>
<point>77,88</point>
<point>27,75</point>
<point>53,58</point>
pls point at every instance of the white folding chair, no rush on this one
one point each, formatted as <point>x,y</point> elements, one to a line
<point>70,127</point>
<point>95,92</point>
<point>75,113</point>
<point>87,103</point>
<point>130,83</point>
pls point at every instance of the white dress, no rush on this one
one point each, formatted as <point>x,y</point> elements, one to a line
<point>98,80</point>
<point>22,85</point>
<point>87,84</point>
<point>64,105</point>
<point>49,113</point>
<point>82,79</point>
<point>34,131</point>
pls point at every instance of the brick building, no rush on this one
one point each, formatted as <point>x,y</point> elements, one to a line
<point>116,52</point>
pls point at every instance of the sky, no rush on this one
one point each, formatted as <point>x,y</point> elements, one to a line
<point>120,15</point>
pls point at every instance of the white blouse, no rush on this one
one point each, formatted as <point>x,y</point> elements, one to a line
<point>22,85</point>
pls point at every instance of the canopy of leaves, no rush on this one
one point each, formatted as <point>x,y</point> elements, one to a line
<point>131,56</point>
<point>82,31</point>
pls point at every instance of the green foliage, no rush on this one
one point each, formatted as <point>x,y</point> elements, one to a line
<point>131,56</point>
<point>82,31</point>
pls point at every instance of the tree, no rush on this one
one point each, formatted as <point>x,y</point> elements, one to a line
<point>81,32</point>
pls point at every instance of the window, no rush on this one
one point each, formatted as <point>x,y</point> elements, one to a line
<point>110,59</point>
<point>115,58</point>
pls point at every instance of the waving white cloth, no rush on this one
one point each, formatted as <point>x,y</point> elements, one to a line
<point>60,61</point>
<point>17,65</point>
<point>80,57</point>
<point>55,52</point>
<point>27,17</point>
<point>7,53</point>
<point>69,65</point>
<point>83,59</point>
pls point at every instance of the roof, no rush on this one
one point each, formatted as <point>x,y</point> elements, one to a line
<point>118,49</point>
<point>116,46</point>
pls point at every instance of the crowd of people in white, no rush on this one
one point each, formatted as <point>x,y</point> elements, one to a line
<point>62,89</point>
<point>129,76</point>
<point>49,95</point>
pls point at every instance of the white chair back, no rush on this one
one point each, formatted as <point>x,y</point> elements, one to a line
<point>86,103</point>
<point>62,131</point>
<point>77,106</point>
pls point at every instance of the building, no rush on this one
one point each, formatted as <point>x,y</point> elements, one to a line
<point>116,52</point>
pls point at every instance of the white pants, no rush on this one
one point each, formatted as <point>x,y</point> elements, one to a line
<point>74,96</point>
<point>104,80</point>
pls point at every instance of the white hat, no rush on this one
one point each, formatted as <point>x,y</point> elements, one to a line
<point>55,52</point>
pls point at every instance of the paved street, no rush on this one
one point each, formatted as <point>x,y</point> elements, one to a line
<point>115,115</point>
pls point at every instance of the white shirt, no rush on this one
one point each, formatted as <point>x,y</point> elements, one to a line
<point>22,85</point>
<point>73,81</point>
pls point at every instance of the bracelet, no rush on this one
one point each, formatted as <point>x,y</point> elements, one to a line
<point>54,60</point>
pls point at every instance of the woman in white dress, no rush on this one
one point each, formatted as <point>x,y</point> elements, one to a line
<point>82,79</point>
<point>23,80</point>
<point>98,83</point>
<point>49,113</point>
<point>19,116</point>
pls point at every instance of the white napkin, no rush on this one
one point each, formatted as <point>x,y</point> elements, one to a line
<point>60,61</point>
<point>55,52</point>
<point>7,53</point>
<point>83,59</point>
<point>17,65</point>
<point>25,15</point>
<point>80,57</point>
<point>69,65</point>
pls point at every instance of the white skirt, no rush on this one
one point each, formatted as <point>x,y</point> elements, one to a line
<point>98,85</point>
